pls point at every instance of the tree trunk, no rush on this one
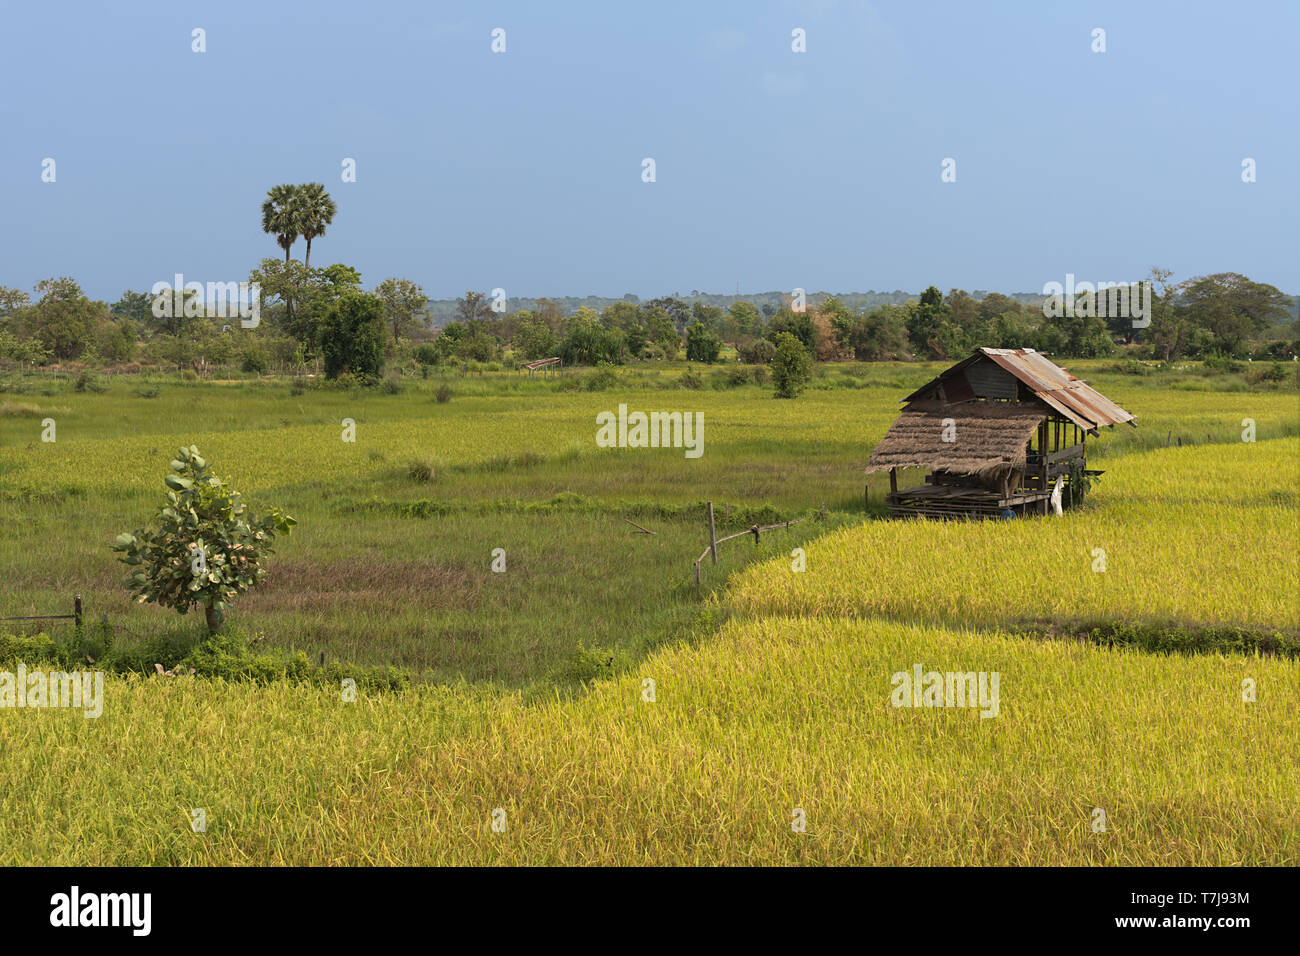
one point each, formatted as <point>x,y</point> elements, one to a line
<point>214,618</point>
<point>307,262</point>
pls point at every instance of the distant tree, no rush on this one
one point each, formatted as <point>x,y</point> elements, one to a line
<point>1260,303</point>
<point>315,211</point>
<point>744,319</point>
<point>1081,335</point>
<point>588,342</point>
<point>701,344</point>
<point>963,311</point>
<point>466,340</point>
<point>798,324</point>
<point>626,317</point>
<point>534,340</point>
<point>662,332</point>
<point>880,335</point>
<point>709,316</point>
<point>404,303</point>
<point>116,340</point>
<point>64,319</point>
<point>756,352</point>
<point>283,284</point>
<point>552,313</point>
<point>676,310</point>
<point>1009,330</point>
<point>840,317</point>
<point>791,366</point>
<point>826,338</point>
<point>1232,308</point>
<point>136,306</point>
<point>474,307</point>
<point>995,304</point>
<point>352,335</point>
<point>11,300</point>
<point>280,216</point>
<point>923,321</point>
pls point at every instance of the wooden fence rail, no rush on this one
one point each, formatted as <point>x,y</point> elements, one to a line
<point>755,530</point>
<point>74,616</point>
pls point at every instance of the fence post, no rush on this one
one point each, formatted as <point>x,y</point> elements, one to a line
<point>713,535</point>
<point>756,536</point>
<point>697,574</point>
<point>76,609</point>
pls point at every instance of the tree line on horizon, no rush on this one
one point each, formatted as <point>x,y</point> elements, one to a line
<point>322,319</point>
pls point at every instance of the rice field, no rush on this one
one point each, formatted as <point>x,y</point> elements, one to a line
<point>596,706</point>
<point>768,717</point>
<point>1190,535</point>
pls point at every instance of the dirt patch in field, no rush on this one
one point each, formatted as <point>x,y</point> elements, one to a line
<point>308,586</point>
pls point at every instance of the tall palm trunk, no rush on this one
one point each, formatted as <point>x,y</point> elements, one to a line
<point>307,261</point>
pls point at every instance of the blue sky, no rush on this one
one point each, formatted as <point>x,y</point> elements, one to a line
<point>775,169</point>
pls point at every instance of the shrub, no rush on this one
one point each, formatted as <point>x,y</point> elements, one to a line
<point>701,344</point>
<point>691,379</point>
<point>1267,375</point>
<point>592,663</point>
<point>255,360</point>
<point>791,366</point>
<point>1220,363</point>
<point>87,382</point>
<point>422,470</point>
<point>757,352</point>
<point>443,395</point>
<point>352,335</point>
<point>603,378</point>
<point>737,376</point>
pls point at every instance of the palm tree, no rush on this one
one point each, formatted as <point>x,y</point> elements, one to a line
<point>315,212</point>
<point>280,216</point>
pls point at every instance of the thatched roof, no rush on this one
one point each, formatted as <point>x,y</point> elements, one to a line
<point>987,438</point>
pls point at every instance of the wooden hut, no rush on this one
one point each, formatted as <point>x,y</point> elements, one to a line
<point>995,431</point>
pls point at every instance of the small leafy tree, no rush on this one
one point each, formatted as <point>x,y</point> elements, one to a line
<point>352,335</point>
<point>791,366</point>
<point>701,344</point>
<point>208,547</point>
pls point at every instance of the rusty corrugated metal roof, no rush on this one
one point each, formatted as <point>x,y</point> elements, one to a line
<point>1072,397</point>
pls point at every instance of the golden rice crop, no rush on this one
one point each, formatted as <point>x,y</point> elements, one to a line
<point>1193,534</point>
<point>769,716</point>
